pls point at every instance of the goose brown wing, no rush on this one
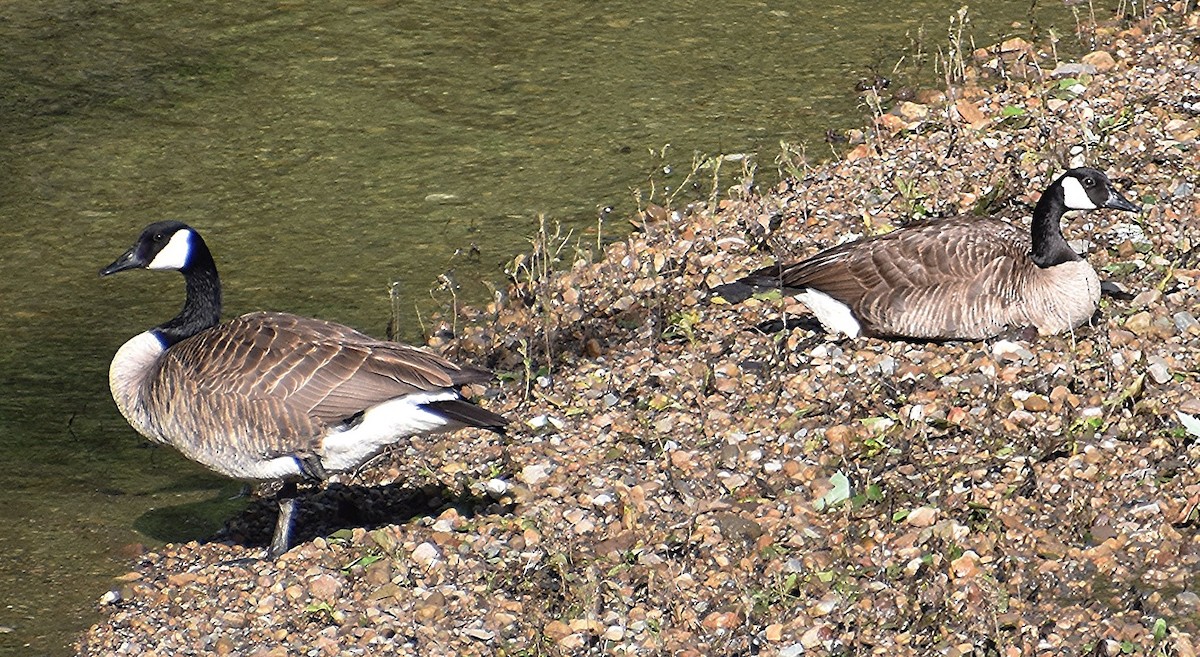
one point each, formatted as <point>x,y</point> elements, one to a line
<point>918,256</point>
<point>276,374</point>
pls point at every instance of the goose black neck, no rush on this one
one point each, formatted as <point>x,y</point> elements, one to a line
<point>1048,246</point>
<point>202,308</point>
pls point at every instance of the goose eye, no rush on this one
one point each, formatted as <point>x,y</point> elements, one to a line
<point>1089,182</point>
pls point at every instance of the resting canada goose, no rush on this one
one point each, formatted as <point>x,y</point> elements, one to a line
<point>962,278</point>
<point>273,396</point>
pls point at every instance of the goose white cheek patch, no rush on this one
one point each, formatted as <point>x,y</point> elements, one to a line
<point>1075,196</point>
<point>175,254</point>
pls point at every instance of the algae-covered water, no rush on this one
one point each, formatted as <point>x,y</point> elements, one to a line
<point>327,150</point>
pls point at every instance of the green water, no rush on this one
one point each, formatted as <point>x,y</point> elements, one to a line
<point>326,150</point>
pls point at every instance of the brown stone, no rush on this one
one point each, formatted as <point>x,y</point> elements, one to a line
<point>858,152</point>
<point>324,587</point>
<point>1100,59</point>
<point>969,112</point>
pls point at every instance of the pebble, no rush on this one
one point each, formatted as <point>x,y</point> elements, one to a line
<point>479,634</point>
<point>922,516</point>
<point>1159,372</point>
<point>1072,70</point>
<point>1139,324</point>
<point>496,487</point>
<point>324,587</point>
<point>1186,323</point>
<point>535,474</point>
<point>1102,61</point>
<point>1009,351</point>
<point>794,650</point>
<point>426,554</point>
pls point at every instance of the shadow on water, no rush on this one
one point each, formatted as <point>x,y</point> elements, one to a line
<point>193,521</point>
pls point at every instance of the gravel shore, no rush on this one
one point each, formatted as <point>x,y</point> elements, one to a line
<point>679,483</point>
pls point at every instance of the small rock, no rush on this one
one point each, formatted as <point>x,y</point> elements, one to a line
<point>1186,323</point>
<point>1158,370</point>
<point>911,112</point>
<point>1101,60</point>
<point>1015,45</point>
<point>385,592</point>
<point>496,488</point>
<point>1139,324</point>
<point>324,587</point>
<point>930,96</point>
<point>556,630</point>
<point>966,566</point>
<point>613,633</point>
<point>814,636</point>
<point>826,605</point>
<point>794,650</point>
<point>1032,402</point>
<point>1145,298</point>
<point>922,516</point>
<point>431,607</point>
<point>535,474</point>
<point>573,641</point>
<point>1009,351</point>
<point>1072,70</point>
<point>721,620</point>
<point>426,554</point>
<point>479,634</point>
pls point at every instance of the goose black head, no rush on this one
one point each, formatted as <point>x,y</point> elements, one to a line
<point>162,245</point>
<point>1089,189</point>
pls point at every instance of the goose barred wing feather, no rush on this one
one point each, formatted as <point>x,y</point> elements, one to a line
<point>275,375</point>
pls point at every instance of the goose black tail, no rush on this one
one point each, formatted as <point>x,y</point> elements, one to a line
<point>466,413</point>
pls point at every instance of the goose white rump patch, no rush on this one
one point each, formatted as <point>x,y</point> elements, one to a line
<point>833,314</point>
<point>175,254</point>
<point>382,425</point>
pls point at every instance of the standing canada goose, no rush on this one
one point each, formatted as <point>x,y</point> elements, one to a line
<point>273,396</point>
<point>963,278</point>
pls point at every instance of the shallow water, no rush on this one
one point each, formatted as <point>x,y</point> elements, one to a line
<point>326,151</point>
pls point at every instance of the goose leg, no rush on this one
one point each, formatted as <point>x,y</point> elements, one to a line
<point>283,524</point>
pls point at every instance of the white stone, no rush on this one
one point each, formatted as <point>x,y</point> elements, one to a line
<point>426,554</point>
